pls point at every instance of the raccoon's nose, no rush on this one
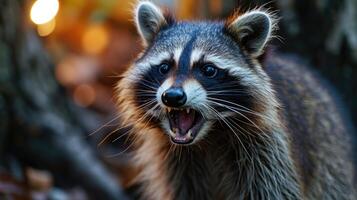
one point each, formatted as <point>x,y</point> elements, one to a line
<point>174,97</point>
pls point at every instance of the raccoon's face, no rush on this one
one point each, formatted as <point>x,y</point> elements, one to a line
<point>193,75</point>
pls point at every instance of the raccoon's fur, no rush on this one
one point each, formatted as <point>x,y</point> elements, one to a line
<point>210,122</point>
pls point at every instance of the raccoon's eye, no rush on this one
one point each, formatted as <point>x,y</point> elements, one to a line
<point>164,68</point>
<point>209,70</point>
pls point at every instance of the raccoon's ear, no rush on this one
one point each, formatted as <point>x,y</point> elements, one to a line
<point>251,30</point>
<point>149,19</point>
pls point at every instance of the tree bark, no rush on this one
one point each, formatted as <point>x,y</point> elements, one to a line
<point>40,126</point>
<point>325,34</point>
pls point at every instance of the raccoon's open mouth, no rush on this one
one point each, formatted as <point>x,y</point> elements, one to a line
<point>184,125</point>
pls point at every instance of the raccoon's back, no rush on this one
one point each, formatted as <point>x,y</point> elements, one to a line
<point>321,133</point>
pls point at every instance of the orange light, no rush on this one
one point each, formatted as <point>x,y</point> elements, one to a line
<point>47,28</point>
<point>84,95</point>
<point>43,11</point>
<point>66,71</point>
<point>95,39</point>
<point>74,70</point>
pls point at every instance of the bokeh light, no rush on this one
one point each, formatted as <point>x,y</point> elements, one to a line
<point>84,95</point>
<point>76,70</point>
<point>46,28</point>
<point>43,11</point>
<point>95,39</point>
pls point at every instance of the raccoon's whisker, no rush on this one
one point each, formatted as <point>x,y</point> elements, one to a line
<point>161,112</point>
<point>145,95</point>
<point>180,153</point>
<point>147,113</point>
<point>140,120</point>
<point>107,136</point>
<point>242,129</point>
<point>244,109</point>
<point>146,104</point>
<point>227,93</point>
<point>122,135</point>
<point>235,110</point>
<point>104,125</point>
<point>146,83</point>
<point>244,133</point>
<point>143,117</point>
<point>152,109</point>
<point>216,112</point>
<point>232,129</point>
<point>220,91</point>
<point>155,79</point>
<point>148,89</point>
<point>111,133</point>
<point>144,92</point>
<point>118,154</point>
<point>202,112</point>
<point>249,124</point>
<point>148,86</point>
<point>239,113</point>
<point>142,79</point>
<point>168,152</point>
<point>225,86</point>
<point>252,123</point>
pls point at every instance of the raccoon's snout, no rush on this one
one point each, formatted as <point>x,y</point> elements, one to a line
<point>174,97</point>
<point>182,119</point>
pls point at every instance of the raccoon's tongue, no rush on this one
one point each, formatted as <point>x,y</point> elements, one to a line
<point>184,121</point>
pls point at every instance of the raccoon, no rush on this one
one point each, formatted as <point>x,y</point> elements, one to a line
<point>212,122</point>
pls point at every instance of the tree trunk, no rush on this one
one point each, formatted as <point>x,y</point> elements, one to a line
<point>325,33</point>
<point>40,126</point>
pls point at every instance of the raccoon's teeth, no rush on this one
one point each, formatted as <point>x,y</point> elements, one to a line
<point>168,109</point>
<point>187,110</point>
<point>189,134</point>
<point>172,133</point>
<point>175,130</point>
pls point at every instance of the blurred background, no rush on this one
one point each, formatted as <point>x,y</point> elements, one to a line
<point>60,60</point>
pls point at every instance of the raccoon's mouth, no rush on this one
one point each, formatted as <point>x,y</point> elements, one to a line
<point>184,125</point>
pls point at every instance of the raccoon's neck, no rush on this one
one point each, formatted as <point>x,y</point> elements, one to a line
<point>258,167</point>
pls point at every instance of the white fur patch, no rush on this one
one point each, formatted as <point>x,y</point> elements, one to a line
<point>177,54</point>
<point>145,65</point>
<point>195,56</point>
<point>195,93</point>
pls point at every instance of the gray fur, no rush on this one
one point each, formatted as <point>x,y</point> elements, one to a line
<point>253,30</point>
<point>149,20</point>
<point>320,133</point>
